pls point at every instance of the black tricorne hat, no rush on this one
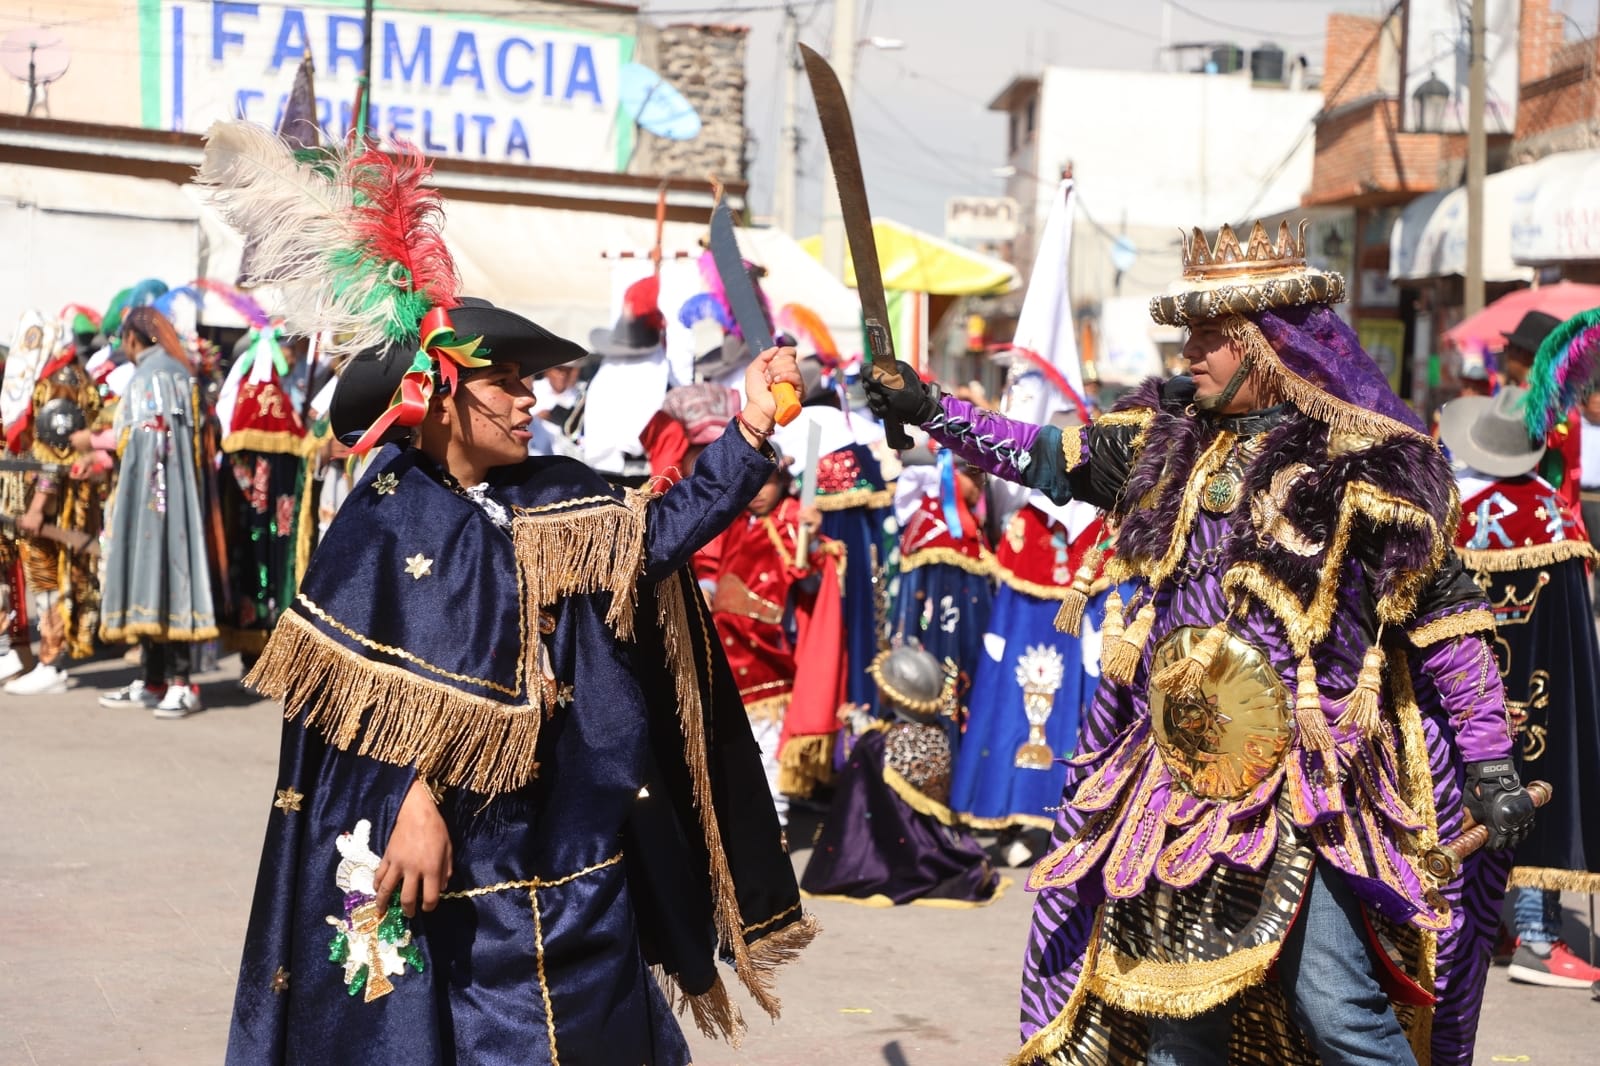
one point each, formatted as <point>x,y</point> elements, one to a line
<point>368,382</point>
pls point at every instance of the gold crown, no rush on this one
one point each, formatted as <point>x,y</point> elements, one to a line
<point>1258,256</point>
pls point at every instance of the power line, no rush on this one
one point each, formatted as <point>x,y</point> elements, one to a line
<point>1235,27</point>
<point>1090,16</point>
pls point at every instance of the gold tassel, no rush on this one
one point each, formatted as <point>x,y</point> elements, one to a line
<point>1184,678</point>
<point>1121,659</point>
<point>1069,619</point>
<point>1361,711</point>
<point>1111,629</point>
<point>1309,719</point>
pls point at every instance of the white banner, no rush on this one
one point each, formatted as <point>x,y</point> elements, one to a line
<point>1045,325</point>
<point>1437,46</point>
<point>467,87</point>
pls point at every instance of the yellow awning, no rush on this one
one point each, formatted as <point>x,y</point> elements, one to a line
<point>913,261</point>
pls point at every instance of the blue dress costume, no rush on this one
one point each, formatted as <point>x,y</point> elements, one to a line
<point>855,502</point>
<point>1003,779</point>
<point>547,666</point>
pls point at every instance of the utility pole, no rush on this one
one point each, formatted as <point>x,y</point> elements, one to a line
<point>843,60</point>
<point>789,143</point>
<point>1477,150</point>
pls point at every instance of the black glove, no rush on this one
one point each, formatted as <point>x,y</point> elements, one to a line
<point>910,405</point>
<point>1497,801</point>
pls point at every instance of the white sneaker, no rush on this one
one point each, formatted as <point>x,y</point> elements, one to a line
<point>42,680</point>
<point>10,665</point>
<point>1018,854</point>
<point>180,702</point>
<point>132,695</point>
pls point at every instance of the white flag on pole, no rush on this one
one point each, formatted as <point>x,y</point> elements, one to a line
<point>1046,326</point>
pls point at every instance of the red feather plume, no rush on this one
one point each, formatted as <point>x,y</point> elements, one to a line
<point>399,218</point>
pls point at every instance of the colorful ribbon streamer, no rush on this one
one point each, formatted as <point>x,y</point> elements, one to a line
<point>441,353</point>
<point>947,491</point>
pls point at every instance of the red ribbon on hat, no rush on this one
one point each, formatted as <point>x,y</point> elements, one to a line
<point>441,353</point>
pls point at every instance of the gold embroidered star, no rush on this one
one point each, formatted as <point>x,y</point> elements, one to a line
<point>419,566</point>
<point>386,484</point>
<point>288,800</point>
<point>280,981</point>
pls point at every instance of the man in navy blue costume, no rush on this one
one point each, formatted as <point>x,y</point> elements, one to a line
<point>516,773</point>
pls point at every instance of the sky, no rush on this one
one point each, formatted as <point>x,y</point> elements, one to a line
<point>921,111</point>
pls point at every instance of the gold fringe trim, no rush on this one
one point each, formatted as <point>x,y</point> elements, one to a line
<point>1033,588</point>
<point>769,709</point>
<point>1050,1039</point>
<point>1008,821</point>
<point>132,631</point>
<point>778,949</point>
<point>244,641</point>
<point>266,441</point>
<point>1176,990</point>
<point>1184,678</point>
<point>983,565</point>
<point>713,1011</point>
<point>805,763</point>
<point>1306,624</point>
<point>1477,620</point>
<point>450,737</point>
<point>843,501</point>
<point>879,901</point>
<point>305,518</point>
<point>1311,401</point>
<point>1555,880</point>
<point>920,802</point>
<point>672,612</point>
<point>1499,560</point>
<point>573,552</point>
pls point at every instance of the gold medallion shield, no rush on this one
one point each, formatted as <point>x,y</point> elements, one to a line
<point>1232,737</point>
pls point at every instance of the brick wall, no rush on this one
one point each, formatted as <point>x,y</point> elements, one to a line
<point>1349,55</point>
<point>705,64</point>
<point>1362,155</point>
<point>1541,31</point>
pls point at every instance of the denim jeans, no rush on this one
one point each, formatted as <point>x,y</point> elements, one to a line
<point>1328,975</point>
<point>1536,913</point>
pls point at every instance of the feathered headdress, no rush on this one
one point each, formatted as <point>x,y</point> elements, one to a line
<point>350,238</point>
<point>1563,369</point>
<point>713,283</point>
<point>244,305</point>
<point>702,306</point>
<point>806,326</point>
<point>77,318</point>
<point>140,294</point>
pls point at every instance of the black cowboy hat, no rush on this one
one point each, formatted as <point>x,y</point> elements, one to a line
<point>368,382</point>
<point>1531,331</point>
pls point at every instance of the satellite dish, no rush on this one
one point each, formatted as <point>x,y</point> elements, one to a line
<point>654,105</point>
<point>36,56</point>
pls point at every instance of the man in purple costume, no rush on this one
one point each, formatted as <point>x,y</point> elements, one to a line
<point>1297,704</point>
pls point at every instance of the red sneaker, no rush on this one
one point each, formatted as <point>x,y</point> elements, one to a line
<point>1559,969</point>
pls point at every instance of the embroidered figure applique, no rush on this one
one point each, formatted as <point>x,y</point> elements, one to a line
<point>1490,514</point>
<point>1040,671</point>
<point>373,941</point>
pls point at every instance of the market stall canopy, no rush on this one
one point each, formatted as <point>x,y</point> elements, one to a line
<point>1558,219</point>
<point>1429,239</point>
<point>913,261</point>
<point>77,236</point>
<point>1485,331</point>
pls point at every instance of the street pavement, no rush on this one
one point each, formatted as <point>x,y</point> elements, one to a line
<point>128,852</point>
